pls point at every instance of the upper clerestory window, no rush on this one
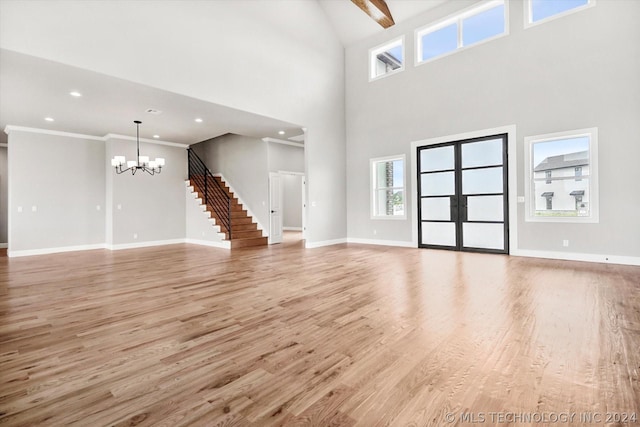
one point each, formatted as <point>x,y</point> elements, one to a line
<point>386,59</point>
<point>545,10</point>
<point>478,24</point>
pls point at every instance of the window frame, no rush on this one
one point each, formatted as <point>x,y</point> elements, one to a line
<point>374,51</point>
<point>528,13</point>
<point>530,195</point>
<point>373,188</point>
<point>458,17</point>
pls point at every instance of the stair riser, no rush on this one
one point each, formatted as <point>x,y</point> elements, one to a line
<point>244,243</point>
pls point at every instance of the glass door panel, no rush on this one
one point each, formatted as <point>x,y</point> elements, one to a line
<point>438,184</point>
<point>436,209</point>
<point>437,159</point>
<point>439,233</point>
<point>479,235</point>
<point>482,181</point>
<point>485,208</point>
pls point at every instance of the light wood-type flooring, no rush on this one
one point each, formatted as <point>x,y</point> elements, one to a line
<point>336,336</point>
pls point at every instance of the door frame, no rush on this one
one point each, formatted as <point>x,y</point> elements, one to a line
<point>273,175</point>
<point>510,130</point>
<point>303,190</point>
<point>459,196</point>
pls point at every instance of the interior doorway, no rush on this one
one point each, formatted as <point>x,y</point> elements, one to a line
<point>287,206</point>
<point>463,195</point>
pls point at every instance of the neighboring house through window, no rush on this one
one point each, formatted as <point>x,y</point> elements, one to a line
<point>562,173</point>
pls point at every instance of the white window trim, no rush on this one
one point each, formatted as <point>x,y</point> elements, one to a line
<point>372,186</point>
<point>374,51</point>
<point>458,16</point>
<point>528,15</point>
<point>529,141</point>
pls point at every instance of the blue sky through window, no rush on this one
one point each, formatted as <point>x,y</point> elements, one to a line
<point>440,42</point>
<point>541,9</point>
<point>396,52</point>
<point>483,25</point>
<point>398,173</point>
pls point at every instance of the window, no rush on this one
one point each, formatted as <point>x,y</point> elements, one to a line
<point>545,10</point>
<point>563,180</point>
<point>480,23</point>
<point>386,59</point>
<point>387,184</point>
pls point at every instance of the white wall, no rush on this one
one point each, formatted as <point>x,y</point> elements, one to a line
<point>64,178</point>
<point>575,72</point>
<point>77,195</point>
<point>281,60</point>
<point>4,188</point>
<point>152,207</point>
<point>283,157</point>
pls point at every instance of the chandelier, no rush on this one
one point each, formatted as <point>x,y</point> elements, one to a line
<point>151,167</point>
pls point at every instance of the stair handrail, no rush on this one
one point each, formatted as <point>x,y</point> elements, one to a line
<point>215,196</point>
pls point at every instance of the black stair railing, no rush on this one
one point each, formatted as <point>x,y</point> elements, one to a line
<point>215,196</point>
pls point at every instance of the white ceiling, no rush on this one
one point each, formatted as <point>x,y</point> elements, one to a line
<point>352,24</point>
<point>33,88</point>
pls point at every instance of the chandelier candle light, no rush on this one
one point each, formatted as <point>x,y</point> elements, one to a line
<point>151,167</point>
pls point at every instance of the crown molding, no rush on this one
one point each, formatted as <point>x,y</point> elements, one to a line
<point>11,128</point>
<point>149,141</point>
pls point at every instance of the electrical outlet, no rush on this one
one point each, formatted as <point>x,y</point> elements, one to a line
<point>34,208</point>
<point>19,208</point>
<point>565,243</point>
<point>375,232</point>
<point>119,207</point>
<point>98,207</point>
<point>135,235</point>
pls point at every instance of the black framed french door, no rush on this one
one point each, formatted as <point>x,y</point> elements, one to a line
<point>463,195</point>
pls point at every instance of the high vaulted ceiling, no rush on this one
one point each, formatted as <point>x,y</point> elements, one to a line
<point>352,24</point>
<point>33,88</point>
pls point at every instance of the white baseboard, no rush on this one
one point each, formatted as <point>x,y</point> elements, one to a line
<point>221,245</point>
<point>144,244</point>
<point>31,252</point>
<point>4,245</point>
<point>292,228</point>
<point>572,256</point>
<point>398,243</point>
<point>311,245</point>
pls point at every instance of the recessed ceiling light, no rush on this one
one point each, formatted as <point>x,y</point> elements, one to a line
<point>156,136</point>
<point>75,93</point>
<point>281,132</point>
<point>49,119</point>
<point>198,120</point>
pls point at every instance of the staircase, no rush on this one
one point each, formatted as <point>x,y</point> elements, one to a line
<point>222,206</point>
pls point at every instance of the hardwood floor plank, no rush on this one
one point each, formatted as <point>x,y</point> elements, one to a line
<point>347,335</point>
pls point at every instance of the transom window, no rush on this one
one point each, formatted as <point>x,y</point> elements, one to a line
<point>386,59</point>
<point>545,10</point>
<point>387,188</point>
<point>475,25</point>
<point>562,170</point>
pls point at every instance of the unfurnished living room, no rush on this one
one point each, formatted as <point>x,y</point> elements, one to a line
<point>319,212</point>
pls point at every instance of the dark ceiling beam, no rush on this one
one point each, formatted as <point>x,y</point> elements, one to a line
<point>377,10</point>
